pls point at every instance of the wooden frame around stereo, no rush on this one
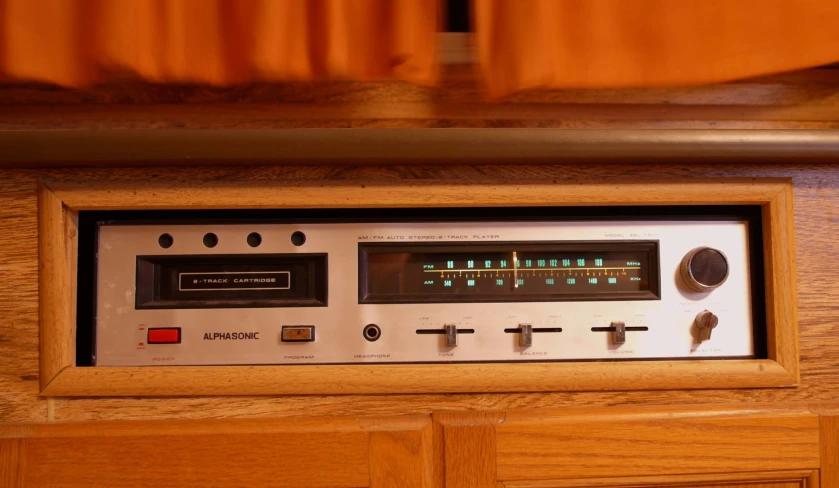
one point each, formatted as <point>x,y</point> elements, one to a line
<point>60,201</point>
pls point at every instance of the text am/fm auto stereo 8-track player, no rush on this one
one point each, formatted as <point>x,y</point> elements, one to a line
<point>419,286</point>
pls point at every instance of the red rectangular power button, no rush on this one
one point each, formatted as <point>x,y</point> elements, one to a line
<point>168,335</point>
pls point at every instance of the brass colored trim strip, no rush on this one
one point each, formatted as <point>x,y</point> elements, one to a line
<point>27,149</point>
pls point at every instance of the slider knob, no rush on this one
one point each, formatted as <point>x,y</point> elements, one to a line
<point>705,323</point>
<point>704,269</point>
<point>451,335</point>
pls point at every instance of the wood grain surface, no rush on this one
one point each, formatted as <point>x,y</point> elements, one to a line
<point>12,463</point>
<point>621,447</point>
<point>781,290</point>
<point>366,194</point>
<point>829,425</point>
<point>324,452</point>
<point>664,483</point>
<point>401,459</point>
<point>773,193</point>
<point>57,307</point>
<point>401,451</point>
<point>581,443</point>
<point>160,381</point>
<point>816,193</point>
<point>469,449</point>
<point>767,479</point>
<point>798,100</point>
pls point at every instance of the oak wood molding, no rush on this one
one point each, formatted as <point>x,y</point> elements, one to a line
<point>829,429</point>
<point>82,148</point>
<point>12,463</point>
<point>57,274</point>
<point>781,286</point>
<point>576,443</point>
<point>402,458</point>
<point>61,199</point>
<point>799,479</point>
<point>247,194</point>
<point>320,452</point>
<point>466,448</point>
<point>633,447</point>
<point>406,378</point>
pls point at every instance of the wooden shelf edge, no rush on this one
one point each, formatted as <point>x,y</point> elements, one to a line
<point>158,381</point>
<point>133,195</point>
<point>406,423</point>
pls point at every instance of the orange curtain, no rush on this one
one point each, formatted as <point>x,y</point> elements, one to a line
<point>617,43</point>
<point>80,42</point>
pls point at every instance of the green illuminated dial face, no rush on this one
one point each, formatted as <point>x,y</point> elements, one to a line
<point>507,273</point>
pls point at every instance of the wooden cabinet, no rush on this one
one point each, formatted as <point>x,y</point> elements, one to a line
<point>709,447</point>
<point>329,452</point>
<point>763,438</point>
<point>675,483</point>
<point>634,447</point>
<point>779,484</point>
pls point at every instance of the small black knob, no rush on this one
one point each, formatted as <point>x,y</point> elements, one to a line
<point>298,238</point>
<point>704,269</point>
<point>705,323</point>
<point>165,241</point>
<point>210,239</point>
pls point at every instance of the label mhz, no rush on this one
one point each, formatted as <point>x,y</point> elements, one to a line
<point>235,281</point>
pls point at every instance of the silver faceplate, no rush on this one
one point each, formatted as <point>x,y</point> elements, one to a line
<point>121,329</point>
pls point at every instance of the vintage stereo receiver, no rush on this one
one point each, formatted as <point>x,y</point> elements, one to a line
<point>407,286</point>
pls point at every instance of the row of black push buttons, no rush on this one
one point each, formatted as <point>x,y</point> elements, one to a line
<point>210,239</point>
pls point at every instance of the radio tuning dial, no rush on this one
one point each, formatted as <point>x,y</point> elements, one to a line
<point>704,269</point>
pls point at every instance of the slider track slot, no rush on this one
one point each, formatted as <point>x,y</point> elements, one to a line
<point>612,329</point>
<point>443,331</point>
<point>516,330</point>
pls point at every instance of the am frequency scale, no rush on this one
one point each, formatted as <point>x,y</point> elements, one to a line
<point>326,291</point>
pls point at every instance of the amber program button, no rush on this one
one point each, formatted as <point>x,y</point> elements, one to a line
<point>298,333</point>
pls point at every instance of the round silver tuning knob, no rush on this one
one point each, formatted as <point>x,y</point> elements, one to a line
<point>704,269</point>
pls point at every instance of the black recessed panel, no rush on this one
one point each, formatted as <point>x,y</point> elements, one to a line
<point>230,281</point>
<point>305,293</point>
<point>511,271</point>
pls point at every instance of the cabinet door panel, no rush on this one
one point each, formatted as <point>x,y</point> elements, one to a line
<point>643,442</point>
<point>791,479</point>
<point>760,485</point>
<point>325,452</point>
<point>679,447</point>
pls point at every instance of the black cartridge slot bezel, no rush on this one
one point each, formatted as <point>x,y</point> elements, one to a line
<point>307,285</point>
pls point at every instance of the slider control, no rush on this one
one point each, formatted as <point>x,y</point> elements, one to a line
<point>526,331</point>
<point>451,335</point>
<point>526,335</point>
<point>450,331</point>
<point>619,330</point>
<point>619,335</point>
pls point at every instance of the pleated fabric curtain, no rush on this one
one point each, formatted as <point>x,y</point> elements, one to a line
<point>620,43</point>
<point>218,42</point>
